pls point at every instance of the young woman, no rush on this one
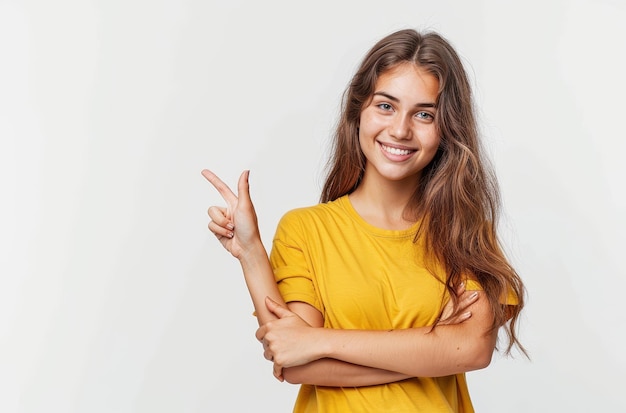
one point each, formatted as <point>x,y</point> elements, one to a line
<point>382,296</point>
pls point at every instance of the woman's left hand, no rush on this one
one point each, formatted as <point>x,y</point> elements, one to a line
<point>288,341</point>
<point>455,311</point>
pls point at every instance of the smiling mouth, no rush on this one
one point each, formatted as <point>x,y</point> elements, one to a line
<point>396,151</point>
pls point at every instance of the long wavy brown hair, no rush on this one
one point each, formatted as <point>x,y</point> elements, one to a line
<point>457,199</point>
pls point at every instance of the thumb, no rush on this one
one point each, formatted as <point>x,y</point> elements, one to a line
<point>276,308</point>
<point>243,188</point>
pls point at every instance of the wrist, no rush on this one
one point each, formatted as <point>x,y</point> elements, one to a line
<point>324,342</point>
<point>253,252</point>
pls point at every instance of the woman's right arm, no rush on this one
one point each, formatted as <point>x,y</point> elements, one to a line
<point>331,372</point>
<point>236,228</point>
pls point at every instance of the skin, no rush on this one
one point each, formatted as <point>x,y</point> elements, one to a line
<point>399,116</point>
<point>243,242</point>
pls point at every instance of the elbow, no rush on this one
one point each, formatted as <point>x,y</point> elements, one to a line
<point>481,356</point>
<point>292,376</point>
<point>482,359</point>
<point>481,350</point>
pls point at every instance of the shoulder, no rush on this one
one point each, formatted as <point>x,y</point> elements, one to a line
<point>304,218</point>
<point>313,212</point>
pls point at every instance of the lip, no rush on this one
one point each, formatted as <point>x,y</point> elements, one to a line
<point>396,157</point>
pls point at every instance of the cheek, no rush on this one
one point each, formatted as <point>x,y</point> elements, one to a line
<point>436,142</point>
<point>432,141</point>
<point>430,147</point>
<point>364,143</point>
<point>361,141</point>
<point>365,133</point>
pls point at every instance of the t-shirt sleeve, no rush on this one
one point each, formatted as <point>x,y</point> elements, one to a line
<point>509,299</point>
<point>290,264</point>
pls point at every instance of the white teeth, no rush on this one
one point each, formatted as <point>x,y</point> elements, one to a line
<point>395,151</point>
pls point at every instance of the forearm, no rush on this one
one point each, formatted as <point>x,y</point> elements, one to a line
<point>260,281</point>
<point>336,373</point>
<point>417,352</point>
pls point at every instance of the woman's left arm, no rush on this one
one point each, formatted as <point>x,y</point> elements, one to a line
<point>416,352</point>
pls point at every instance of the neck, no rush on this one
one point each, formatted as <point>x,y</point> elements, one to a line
<point>385,204</point>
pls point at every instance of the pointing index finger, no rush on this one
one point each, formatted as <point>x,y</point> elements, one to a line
<point>221,187</point>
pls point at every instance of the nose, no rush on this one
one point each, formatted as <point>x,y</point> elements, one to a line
<point>400,127</point>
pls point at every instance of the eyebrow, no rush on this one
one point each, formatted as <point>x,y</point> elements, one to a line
<point>395,99</point>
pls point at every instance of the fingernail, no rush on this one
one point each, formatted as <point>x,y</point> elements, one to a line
<point>230,235</point>
<point>474,294</point>
<point>230,226</point>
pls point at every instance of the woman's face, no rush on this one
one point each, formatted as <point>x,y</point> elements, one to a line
<point>397,132</point>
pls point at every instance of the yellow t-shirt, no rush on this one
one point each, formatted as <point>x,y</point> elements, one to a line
<point>362,277</point>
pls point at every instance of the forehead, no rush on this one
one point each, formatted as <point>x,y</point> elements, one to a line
<point>409,81</point>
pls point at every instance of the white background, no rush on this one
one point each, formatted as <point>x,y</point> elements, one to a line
<point>114,297</point>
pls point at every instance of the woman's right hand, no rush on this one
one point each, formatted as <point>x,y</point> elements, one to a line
<point>235,226</point>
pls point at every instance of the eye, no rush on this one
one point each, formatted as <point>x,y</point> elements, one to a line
<point>385,106</point>
<point>425,116</point>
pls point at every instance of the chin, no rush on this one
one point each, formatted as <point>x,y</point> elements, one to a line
<point>398,177</point>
